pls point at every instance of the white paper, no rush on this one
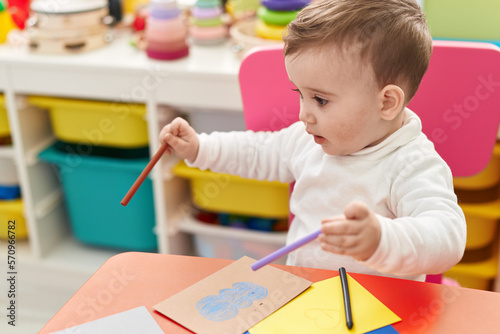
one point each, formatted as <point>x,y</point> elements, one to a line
<point>137,320</point>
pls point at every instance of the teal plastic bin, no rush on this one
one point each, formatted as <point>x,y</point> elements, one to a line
<point>94,187</point>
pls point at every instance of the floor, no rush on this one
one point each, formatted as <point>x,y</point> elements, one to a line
<point>43,286</point>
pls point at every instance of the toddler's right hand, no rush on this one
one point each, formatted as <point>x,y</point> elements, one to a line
<point>181,139</point>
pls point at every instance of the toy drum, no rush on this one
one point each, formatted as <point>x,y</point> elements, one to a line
<point>69,26</point>
<point>68,15</point>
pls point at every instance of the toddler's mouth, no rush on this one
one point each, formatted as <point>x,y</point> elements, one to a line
<point>318,139</point>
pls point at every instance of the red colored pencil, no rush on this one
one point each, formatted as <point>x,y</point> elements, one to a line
<point>144,174</point>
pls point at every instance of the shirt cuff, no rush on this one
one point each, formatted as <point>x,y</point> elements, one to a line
<point>379,257</point>
<point>200,158</point>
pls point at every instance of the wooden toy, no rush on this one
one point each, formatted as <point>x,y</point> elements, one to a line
<point>71,27</point>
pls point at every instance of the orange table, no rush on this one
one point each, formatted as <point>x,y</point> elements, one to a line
<point>130,280</point>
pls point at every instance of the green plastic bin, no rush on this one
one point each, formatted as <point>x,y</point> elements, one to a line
<point>93,188</point>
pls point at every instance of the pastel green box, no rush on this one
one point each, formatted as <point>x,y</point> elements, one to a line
<point>93,188</point>
<point>464,19</point>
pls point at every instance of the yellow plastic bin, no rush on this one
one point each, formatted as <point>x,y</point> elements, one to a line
<point>487,178</point>
<point>482,223</point>
<point>4,122</point>
<point>233,194</point>
<point>121,125</point>
<point>463,19</point>
<point>12,219</point>
<point>477,275</point>
<point>481,231</point>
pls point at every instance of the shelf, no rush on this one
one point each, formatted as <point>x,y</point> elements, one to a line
<point>207,78</point>
<point>192,225</point>
<point>6,152</point>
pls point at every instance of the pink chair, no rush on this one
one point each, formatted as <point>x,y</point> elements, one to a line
<point>458,101</point>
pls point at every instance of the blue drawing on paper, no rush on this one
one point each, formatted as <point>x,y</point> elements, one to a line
<point>225,306</point>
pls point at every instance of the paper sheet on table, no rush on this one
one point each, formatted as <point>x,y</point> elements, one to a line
<point>384,330</point>
<point>137,320</point>
<point>320,309</point>
<point>233,299</point>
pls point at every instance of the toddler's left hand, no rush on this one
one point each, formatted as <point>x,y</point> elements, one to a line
<point>356,233</point>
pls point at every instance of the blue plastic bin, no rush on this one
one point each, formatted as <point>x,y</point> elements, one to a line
<point>10,192</point>
<point>94,187</point>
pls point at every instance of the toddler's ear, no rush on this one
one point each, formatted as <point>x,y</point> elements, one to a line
<point>393,98</point>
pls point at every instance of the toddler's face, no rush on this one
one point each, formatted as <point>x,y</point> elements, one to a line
<point>339,100</point>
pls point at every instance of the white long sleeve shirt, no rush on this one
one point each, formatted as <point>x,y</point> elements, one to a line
<point>402,179</point>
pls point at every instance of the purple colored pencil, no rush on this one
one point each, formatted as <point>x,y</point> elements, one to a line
<point>285,250</point>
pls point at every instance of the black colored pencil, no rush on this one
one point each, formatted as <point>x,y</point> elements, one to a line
<point>347,298</point>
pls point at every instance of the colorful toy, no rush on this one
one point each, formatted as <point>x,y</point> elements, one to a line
<point>274,15</point>
<point>19,10</point>
<point>207,26</point>
<point>242,9</point>
<point>71,27</point>
<point>285,5</point>
<point>6,21</point>
<point>166,31</point>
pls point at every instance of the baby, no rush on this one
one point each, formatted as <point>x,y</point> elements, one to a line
<point>363,170</point>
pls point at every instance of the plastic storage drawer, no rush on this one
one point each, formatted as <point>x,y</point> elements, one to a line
<point>9,192</point>
<point>9,181</point>
<point>4,122</point>
<point>94,187</point>
<point>232,243</point>
<point>95,122</point>
<point>8,172</point>
<point>232,194</point>
<point>12,219</point>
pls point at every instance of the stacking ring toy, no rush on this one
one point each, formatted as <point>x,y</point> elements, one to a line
<point>164,14</point>
<point>269,31</point>
<point>208,33</point>
<point>166,30</point>
<point>277,18</point>
<point>167,55</point>
<point>217,21</point>
<point>206,13</point>
<point>167,46</point>
<point>285,5</point>
<point>163,5</point>
<point>208,3</point>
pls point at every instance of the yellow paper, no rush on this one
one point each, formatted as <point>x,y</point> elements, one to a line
<point>320,309</point>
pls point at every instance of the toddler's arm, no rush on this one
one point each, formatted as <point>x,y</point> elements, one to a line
<point>181,139</point>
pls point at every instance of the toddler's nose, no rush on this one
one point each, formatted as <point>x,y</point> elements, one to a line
<point>305,116</point>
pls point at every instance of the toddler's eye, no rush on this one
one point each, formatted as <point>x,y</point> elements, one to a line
<point>320,101</point>
<point>298,91</point>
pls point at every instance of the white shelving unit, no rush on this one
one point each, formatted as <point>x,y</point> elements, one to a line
<point>207,79</point>
<point>204,84</point>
